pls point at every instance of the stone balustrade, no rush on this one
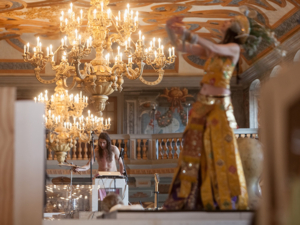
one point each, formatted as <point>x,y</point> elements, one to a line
<point>145,146</point>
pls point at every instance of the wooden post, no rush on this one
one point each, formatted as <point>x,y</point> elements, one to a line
<point>170,156</point>
<point>85,150</point>
<point>160,154</point>
<point>165,149</point>
<point>7,122</point>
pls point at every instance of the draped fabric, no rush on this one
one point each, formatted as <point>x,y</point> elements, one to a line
<point>209,173</point>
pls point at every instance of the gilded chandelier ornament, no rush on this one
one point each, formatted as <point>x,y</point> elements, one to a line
<point>64,131</point>
<point>97,29</point>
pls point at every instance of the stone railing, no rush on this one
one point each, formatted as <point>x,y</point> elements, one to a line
<point>146,146</point>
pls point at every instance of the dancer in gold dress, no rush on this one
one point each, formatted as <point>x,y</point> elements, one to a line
<point>210,174</point>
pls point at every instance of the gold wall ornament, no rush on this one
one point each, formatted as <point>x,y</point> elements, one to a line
<point>101,77</point>
<point>176,96</point>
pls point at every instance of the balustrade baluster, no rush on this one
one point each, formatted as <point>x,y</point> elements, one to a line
<point>119,144</point>
<point>74,153</point>
<point>125,150</point>
<point>170,147</point>
<point>79,150</point>
<point>114,142</point>
<point>139,149</point>
<point>165,156</point>
<point>180,144</point>
<point>160,153</point>
<point>144,149</point>
<point>175,148</point>
<point>68,155</point>
<point>55,157</point>
<point>49,154</point>
<point>85,150</point>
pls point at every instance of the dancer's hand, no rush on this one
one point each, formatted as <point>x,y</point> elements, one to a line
<point>176,24</point>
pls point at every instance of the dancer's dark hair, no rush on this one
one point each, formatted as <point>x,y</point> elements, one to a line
<point>108,147</point>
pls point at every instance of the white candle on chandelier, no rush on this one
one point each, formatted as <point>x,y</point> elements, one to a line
<point>86,98</point>
<point>173,51</point>
<point>65,124</point>
<point>143,38</point>
<point>135,20</point>
<point>108,120</point>
<point>80,13</point>
<point>125,15</point>
<point>137,15</point>
<point>89,112</point>
<point>162,49</point>
<point>49,112</point>
<point>153,42</point>
<point>131,15</point>
<point>28,47</point>
<point>95,11</point>
<point>108,58</point>
<point>140,35</point>
<point>45,120</point>
<point>53,117</point>
<point>118,50</point>
<point>119,15</point>
<point>121,56</point>
<point>90,41</point>
<point>70,126</point>
<point>47,51</point>
<point>101,6</point>
<point>116,60</point>
<point>66,21</point>
<point>169,52</point>
<point>35,99</point>
<point>77,124</point>
<point>128,7</point>
<point>34,49</point>
<point>155,53</point>
<point>62,42</point>
<point>129,42</point>
<point>78,20</point>
<point>71,5</point>
<point>40,46</point>
<point>105,121</point>
<point>158,42</point>
<point>38,40</point>
<point>62,15</point>
<point>108,13</point>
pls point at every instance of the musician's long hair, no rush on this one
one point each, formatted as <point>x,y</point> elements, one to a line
<point>108,147</point>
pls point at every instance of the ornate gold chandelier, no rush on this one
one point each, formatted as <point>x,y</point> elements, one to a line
<point>93,29</point>
<point>65,132</point>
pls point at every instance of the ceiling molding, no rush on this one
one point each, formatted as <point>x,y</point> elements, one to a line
<point>269,61</point>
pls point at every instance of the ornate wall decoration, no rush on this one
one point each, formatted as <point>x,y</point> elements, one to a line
<point>176,97</point>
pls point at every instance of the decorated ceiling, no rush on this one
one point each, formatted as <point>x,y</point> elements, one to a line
<point>41,18</point>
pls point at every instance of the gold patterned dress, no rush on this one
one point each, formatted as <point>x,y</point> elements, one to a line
<point>209,174</point>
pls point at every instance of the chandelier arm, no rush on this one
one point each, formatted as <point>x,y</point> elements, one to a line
<point>159,79</point>
<point>38,77</point>
<point>77,70</point>
<point>66,87</point>
<point>133,74</point>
